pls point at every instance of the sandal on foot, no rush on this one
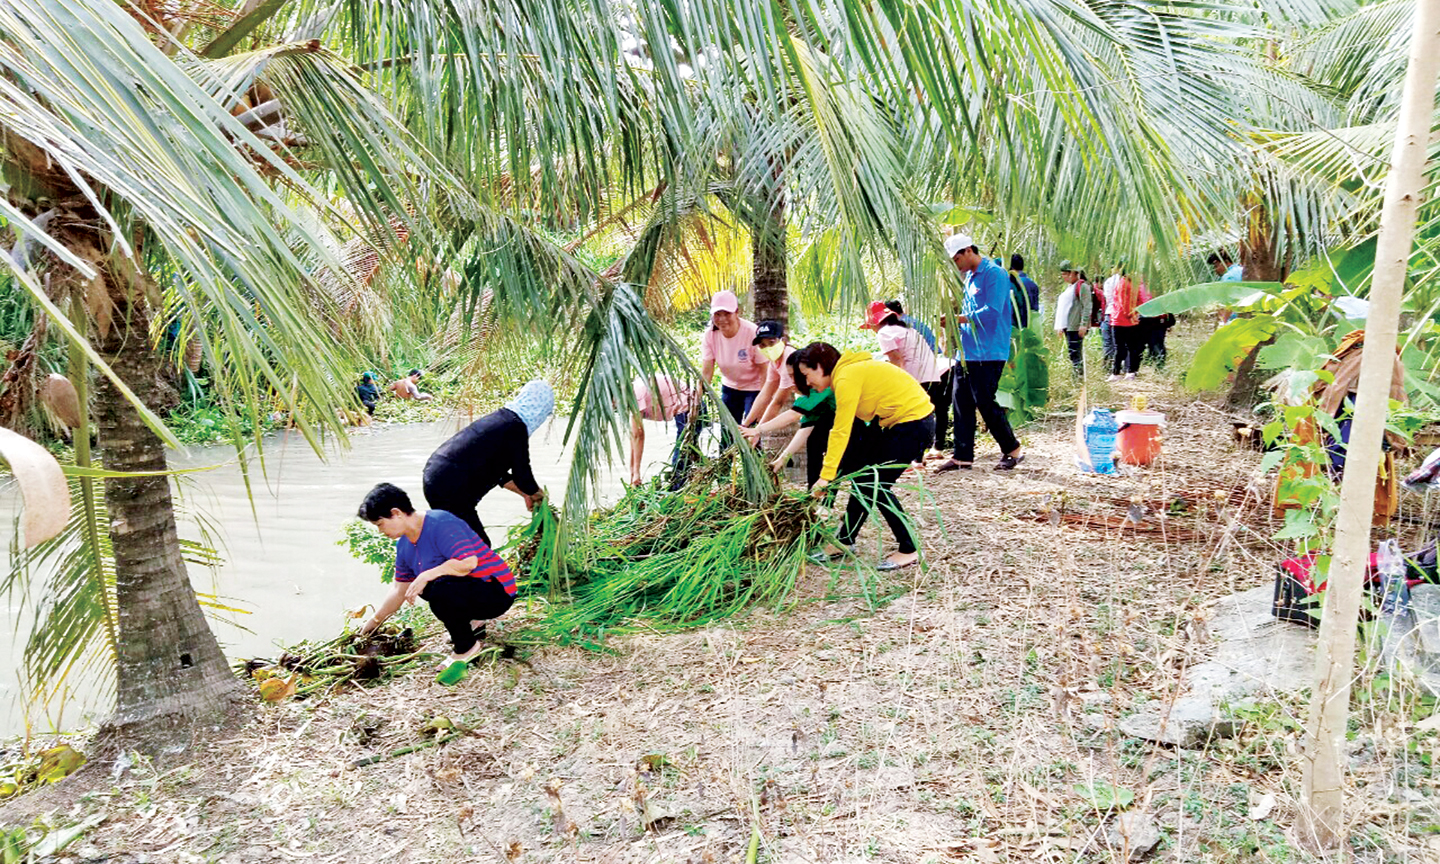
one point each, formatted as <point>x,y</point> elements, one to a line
<point>1008,463</point>
<point>454,673</point>
<point>953,465</point>
<point>820,556</point>
<point>886,565</point>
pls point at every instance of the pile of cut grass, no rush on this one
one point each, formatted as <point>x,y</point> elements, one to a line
<point>664,560</point>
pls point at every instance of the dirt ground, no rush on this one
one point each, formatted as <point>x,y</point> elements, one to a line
<point>962,712</point>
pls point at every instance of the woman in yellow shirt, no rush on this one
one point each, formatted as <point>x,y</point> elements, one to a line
<point>904,427</point>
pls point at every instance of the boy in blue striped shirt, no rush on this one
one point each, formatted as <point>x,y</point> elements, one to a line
<point>439,559</point>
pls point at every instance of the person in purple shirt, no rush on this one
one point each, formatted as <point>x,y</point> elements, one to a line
<point>439,559</point>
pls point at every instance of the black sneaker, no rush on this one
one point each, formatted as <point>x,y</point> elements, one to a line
<point>1008,463</point>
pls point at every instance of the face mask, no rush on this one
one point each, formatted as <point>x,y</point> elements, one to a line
<point>773,352</point>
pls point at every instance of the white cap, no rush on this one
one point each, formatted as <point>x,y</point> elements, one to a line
<point>955,242</point>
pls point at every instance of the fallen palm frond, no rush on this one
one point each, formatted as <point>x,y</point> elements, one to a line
<point>667,559</point>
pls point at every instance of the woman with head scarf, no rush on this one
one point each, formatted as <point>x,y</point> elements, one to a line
<point>492,451</point>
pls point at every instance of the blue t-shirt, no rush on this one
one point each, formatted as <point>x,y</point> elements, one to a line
<point>1031,290</point>
<point>986,336</point>
<point>1236,273</point>
<point>443,537</point>
<point>923,329</point>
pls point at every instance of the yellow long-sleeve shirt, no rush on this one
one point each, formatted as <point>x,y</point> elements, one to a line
<point>867,389</point>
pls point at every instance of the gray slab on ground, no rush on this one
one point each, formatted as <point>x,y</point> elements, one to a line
<point>1254,653</point>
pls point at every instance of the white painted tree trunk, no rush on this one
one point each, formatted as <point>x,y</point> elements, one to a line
<point>1324,765</point>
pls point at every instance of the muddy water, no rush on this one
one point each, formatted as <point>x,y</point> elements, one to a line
<point>282,568</point>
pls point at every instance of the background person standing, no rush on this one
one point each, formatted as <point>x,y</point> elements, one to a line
<point>1125,324</point>
<point>730,344</point>
<point>1073,309</point>
<point>985,325</point>
<point>939,390</point>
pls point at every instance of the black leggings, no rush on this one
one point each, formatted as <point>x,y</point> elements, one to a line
<point>1129,345</point>
<point>448,488</point>
<point>939,393</point>
<point>894,449</point>
<point>458,600</point>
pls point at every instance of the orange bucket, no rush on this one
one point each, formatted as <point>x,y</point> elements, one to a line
<point>1138,440</point>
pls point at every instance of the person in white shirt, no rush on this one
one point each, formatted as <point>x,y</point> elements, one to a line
<point>1072,314</point>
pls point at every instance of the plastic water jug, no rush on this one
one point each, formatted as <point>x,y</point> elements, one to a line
<point>1100,429</point>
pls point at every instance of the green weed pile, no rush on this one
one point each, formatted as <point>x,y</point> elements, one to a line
<point>660,559</point>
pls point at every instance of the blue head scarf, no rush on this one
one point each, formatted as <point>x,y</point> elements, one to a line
<point>534,403</point>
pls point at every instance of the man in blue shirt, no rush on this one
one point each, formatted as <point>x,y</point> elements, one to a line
<point>1228,271</point>
<point>985,325</point>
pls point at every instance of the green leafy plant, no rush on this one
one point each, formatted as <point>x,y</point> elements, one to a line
<point>1103,796</point>
<point>365,542</point>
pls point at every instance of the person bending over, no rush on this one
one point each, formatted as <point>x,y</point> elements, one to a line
<point>815,412</point>
<point>492,451</point>
<point>438,559</point>
<point>867,389</point>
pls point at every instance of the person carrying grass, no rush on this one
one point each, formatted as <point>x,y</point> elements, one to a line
<point>867,389</point>
<point>440,560</point>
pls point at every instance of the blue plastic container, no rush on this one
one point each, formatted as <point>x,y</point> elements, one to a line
<point>1100,431</point>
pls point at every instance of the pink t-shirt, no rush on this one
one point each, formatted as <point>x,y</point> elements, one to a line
<point>742,366</point>
<point>915,354</point>
<point>780,371</point>
<point>673,400</point>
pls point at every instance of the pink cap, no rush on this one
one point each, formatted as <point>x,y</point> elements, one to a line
<point>724,301</point>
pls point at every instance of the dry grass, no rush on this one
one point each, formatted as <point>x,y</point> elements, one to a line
<point>941,715</point>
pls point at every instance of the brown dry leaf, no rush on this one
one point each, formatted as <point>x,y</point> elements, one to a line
<point>59,396</point>
<point>42,483</point>
<point>513,850</point>
<point>101,307</point>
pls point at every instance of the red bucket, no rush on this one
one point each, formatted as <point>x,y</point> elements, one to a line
<point>1138,440</point>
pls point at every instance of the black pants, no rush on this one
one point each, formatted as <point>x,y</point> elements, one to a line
<point>939,393</point>
<point>888,452</point>
<point>1129,346</point>
<point>1075,344</point>
<point>1155,331</point>
<point>448,488</point>
<point>976,383</point>
<point>458,600</point>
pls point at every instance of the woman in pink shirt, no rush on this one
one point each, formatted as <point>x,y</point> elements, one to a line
<point>1125,323</point>
<point>779,386</point>
<point>902,345</point>
<point>730,344</point>
<point>664,400</point>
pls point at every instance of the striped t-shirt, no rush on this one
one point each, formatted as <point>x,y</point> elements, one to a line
<point>443,537</point>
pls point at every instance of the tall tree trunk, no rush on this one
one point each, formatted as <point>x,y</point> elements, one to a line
<point>768,287</point>
<point>1261,264</point>
<point>171,674</point>
<point>1323,780</point>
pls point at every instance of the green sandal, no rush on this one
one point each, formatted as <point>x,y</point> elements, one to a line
<point>453,674</point>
